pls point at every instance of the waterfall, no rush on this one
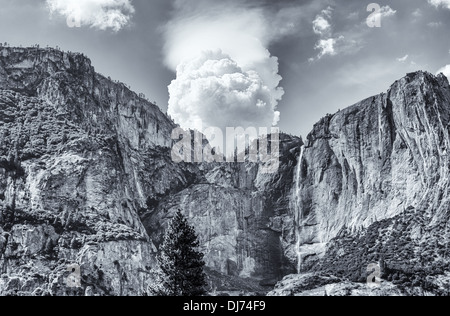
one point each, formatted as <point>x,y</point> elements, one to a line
<point>298,214</point>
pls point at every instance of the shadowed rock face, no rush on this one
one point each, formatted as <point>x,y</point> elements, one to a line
<point>242,216</point>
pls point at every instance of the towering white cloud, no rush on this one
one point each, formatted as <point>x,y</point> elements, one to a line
<point>226,76</point>
<point>101,14</point>
<point>212,90</point>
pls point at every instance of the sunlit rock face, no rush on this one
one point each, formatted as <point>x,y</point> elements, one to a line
<point>375,159</point>
<point>373,187</point>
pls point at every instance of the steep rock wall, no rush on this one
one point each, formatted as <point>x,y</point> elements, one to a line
<point>375,159</point>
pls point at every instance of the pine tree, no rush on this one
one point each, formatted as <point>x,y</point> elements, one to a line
<point>180,263</point>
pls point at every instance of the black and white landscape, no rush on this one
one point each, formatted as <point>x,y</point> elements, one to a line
<point>90,178</point>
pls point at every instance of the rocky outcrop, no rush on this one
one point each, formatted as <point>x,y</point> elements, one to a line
<point>312,285</point>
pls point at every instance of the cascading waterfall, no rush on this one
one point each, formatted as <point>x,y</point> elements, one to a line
<point>298,214</point>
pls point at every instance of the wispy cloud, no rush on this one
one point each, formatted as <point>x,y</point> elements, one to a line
<point>434,24</point>
<point>403,59</point>
<point>330,43</point>
<point>100,14</point>
<point>322,27</point>
<point>417,13</point>
<point>386,11</point>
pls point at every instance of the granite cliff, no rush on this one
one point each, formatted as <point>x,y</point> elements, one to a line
<point>86,177</point>
<point>373,186</point>
<point>74,148</point>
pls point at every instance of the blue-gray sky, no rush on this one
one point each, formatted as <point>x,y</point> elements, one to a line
<point>328,56</point>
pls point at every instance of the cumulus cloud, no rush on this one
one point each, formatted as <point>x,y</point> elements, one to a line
<point>445,70</point>
<point>212,90</point>
<point>226,76</point>
<point>100,14</point>
<point>321,25</point>
<point>440,3</point>
<point>326,47</point>
<point>327,44</point>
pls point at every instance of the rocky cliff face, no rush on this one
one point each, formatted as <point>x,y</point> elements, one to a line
<point>374,180</point>
<point>373,160</point>
<point>242,215</point>
<point>86,177</point>
<point>79,157</point>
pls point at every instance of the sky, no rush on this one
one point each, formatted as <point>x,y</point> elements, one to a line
<point>247,62</point>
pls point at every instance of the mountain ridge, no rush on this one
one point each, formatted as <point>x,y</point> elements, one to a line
<point>86,177</point>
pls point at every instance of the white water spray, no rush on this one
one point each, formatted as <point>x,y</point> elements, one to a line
<point>298,214</point>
